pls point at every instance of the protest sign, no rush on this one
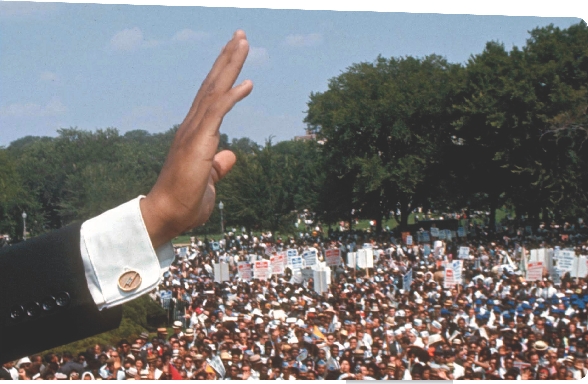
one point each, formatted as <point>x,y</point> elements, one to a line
<point>435,231</point>
<point>565,259</point>
<point>183,252</point>
<point>278,263</point>
<point>361,259</point>
<point>221,272</point>
<point>464,252</point>
<point>262,270</point>
<point>426,237</point>
<point>427,250</point>
<point>453,235</point>
<point>369,258</point>
<point>365,258</point>
<point>322,278</point>
<point>310,257</point>
<point>407,280</point>
<point>448,234</point>
<point>449,276</point>
<point>409,240</point>
<point>333,257</point>
<point>404,235</point>
<point>296,263</point>
<point>351,259</point>
<point>290,253</point>
<point>215,246</point>
<point>367,246</point>
<point>534,271</point>
<point>442,235</point>
<point>457,266</point>
<point>245,270</point>
<point>461,232</point>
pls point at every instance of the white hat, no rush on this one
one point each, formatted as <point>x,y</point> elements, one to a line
<point>424,334</point>
<point>436,324</point>
<point>24,360</point>
<point>417,322</point>
<point>435,338</point>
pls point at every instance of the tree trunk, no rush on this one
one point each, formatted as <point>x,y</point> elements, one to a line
<point>493,207</point>
<point>404,212</point>
<point>379,223</point>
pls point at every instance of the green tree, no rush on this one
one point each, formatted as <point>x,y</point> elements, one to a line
<point>383,124</point>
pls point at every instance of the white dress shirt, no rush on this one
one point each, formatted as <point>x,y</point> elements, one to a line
<point>115,242</point>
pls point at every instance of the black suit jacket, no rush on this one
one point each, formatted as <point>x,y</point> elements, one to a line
<point>44,297</point>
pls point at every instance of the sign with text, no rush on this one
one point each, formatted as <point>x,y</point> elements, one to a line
<point>310,257</point>
<point>278,263</point>
<point>461,232</point>
<point>245,270</point>
<point>565,259</point>
<point>290,253</point>
<point>333,257</point>
<point>408,240</point>
<point>262,270</point>
<point>296,263</point>
<point>534,271</point>
<point>464,252</point>
<point>435,231</point>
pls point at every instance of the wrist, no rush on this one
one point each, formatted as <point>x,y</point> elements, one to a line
<point>160,228</point>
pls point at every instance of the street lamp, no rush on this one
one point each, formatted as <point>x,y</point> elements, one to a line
<point>221,206</point>
<point>24,225</point>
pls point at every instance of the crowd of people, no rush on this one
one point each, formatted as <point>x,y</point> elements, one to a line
<point>493,325</point>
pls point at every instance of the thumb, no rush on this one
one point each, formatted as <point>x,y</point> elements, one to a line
<point>222,164</point>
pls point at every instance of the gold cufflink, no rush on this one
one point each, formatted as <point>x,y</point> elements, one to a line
<point>129,281</point>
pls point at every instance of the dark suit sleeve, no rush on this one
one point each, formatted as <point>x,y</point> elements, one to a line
<point>44,297</point>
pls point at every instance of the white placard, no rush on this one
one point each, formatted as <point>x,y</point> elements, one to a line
<point>296,263</point>
<point>245,270</point>
<point>333,257</point>
<point>534,271</point>
<point>290,253</point>
<point>351,259</point>
<point>464,252</point>
<point>221,272</point>
<point>262,270</point>
<point>310,257</point>
<point>278,263</point>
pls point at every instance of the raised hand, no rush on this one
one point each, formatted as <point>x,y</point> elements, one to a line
<point>183,196</point>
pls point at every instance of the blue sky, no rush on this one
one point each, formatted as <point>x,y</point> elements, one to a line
<point>139,67</point>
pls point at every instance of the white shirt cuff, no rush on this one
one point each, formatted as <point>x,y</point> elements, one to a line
<point>117,242</point>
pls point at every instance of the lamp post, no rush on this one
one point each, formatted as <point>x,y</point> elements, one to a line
<point>221,206</point>
<point>24,225</point>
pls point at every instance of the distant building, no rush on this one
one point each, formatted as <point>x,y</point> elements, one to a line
<point>308,136</point>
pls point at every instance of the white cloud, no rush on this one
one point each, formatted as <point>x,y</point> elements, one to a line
<point>130,40</point>
<point>53,108</point>
<point>257,56</point>
<point>48,77</point>
<point>189,35</point>
<point>308,40</point>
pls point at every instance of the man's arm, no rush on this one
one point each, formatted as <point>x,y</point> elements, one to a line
<point>51,287</point>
